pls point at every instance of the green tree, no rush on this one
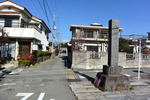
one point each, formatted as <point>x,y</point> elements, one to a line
<point>124,45</point>
<point>63,45</point>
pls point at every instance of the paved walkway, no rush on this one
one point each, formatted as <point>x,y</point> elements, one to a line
<point>47,81</point>
<point>84,89</point>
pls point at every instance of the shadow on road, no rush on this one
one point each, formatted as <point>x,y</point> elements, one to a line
<point>137,71</point>
<point>91,79</point>
<point>65,61</point>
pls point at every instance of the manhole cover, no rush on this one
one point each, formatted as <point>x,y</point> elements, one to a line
<point>9,90</point>
<point>74,80</point>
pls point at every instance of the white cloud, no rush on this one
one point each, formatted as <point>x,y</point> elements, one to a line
<point>64,41</point>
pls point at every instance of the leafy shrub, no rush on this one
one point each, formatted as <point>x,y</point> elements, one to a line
<point>28,58</point>
<point>24,62</point>
<point>42,53</point>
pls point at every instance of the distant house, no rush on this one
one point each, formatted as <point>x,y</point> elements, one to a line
<point>26,32</point>
<point>134,42</point>
<point>88,48</point>
<point>90,38</point>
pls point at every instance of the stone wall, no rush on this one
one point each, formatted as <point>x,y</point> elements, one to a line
<point>82,60</point>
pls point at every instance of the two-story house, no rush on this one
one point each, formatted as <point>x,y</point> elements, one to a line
<point>26,32</point>
<point>90,38</point>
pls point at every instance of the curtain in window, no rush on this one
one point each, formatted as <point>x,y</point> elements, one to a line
<point>2,20</point>
<point>15,23</point>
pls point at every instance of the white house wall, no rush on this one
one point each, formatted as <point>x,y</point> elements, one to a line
<point>26,33</point>
<point>20,32</point>
<point>42,38</point>
<point>7,3</point>
<point>11,10</point>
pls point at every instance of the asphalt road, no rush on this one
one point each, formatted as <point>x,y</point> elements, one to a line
<point>47,81</point>
<point>89,75</point>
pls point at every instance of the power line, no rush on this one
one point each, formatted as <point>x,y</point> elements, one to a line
<point>41,6</point>
<point>56,7</point>
<point>46,13</point>
<point>52,6</point>
<point>36,7</point>
<point>48,8</point>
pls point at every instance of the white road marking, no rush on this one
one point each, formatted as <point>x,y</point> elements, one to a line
<point>81,76</point>
<point>41,96</point>
<point>52,99</point>
<point>26,95</point>
<point>5,84</point>
<point>127,75</point>
<point>15,72</point>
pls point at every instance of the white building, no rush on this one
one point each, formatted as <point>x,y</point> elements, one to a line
<point>90,38</point>
<point>26,32</point>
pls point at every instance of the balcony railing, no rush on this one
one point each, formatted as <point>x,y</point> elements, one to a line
<point>100,36</point>
<point>19,25</point>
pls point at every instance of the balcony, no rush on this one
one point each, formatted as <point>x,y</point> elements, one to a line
<point>19,25</point>
<point>22,30</point>
<point>92,37</point>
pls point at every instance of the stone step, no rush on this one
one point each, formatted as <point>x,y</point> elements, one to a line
<point>77,87</point>
<point>87,91</point>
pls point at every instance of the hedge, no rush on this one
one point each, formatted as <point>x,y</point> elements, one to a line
<point>24,62</point>
<point>42,53</point>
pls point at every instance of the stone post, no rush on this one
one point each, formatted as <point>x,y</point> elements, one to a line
<point>113,43</point>
<point>112,78</point>
<point>113,47</point>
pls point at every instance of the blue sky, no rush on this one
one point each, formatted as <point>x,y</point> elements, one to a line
<point>133,15</point>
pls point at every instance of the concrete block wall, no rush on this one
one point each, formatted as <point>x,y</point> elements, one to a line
<point>82,60</point>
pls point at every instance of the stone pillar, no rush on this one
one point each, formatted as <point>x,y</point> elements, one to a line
<point>112,78</point>
<point>113,43</point>
<point>113,48</point>
<point>31,47</point>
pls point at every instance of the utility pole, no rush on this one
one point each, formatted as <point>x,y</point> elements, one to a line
<point>58,41</point>
<point>139,59</point>
<point>54,28</point>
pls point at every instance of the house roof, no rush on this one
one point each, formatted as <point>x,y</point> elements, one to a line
<point>89,27</point>
<point>17,5</point>
<point>24,10</point>
<point>42,22</point>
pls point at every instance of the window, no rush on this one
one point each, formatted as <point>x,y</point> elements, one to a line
<point>8,22</point>
<point>23,23</point>
<point>130,56</point>
<point>15,22</point>
<point>145,56</point>
<point>41,28</point>
<point>92,48</point>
